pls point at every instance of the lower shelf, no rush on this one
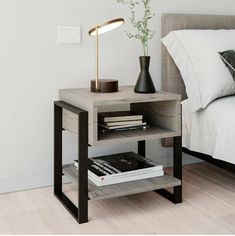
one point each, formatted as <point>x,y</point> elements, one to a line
<point>122,189</point>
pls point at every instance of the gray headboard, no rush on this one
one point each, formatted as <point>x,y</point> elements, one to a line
<point>171,78</point>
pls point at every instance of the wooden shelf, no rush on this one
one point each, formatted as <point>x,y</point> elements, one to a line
<point>160,109</point>
<point>122,189</point>
<point>155,132</point>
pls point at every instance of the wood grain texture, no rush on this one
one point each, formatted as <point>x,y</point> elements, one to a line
<point>122,189</point>
<point>70,121</point>
<point>125,95</point>
<point>95,102</point>
<point>208,208</point>
<point>166,114</point>
<point>153,133</point>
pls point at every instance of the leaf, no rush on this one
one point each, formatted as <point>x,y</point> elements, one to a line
<point>141,26</point>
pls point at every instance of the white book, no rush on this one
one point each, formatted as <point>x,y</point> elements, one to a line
<point>128,174</point>
<point>122,126</point>
<point>99,182</point>
<point>122,167</point>
<point>122,123</point>
<point>119,116</point>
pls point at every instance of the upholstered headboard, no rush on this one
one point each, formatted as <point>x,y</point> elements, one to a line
<point>171,78</point>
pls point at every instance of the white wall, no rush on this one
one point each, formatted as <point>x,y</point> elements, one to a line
<point>33,67</point>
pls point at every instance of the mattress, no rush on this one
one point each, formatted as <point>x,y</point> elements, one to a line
<point>211,131</point>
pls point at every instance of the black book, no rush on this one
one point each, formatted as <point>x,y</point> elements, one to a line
<point>104,130</point>
<point>122,167</point>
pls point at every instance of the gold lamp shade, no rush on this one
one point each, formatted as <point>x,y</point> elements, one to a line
<point>97,85</point>
<point>106,27</point>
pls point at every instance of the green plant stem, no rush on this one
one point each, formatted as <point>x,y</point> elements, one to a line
<point>147,49</point>
<point>144,49</point>
<point>143,32</point>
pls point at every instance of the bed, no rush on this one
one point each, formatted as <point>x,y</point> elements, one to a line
<point>208,134</point>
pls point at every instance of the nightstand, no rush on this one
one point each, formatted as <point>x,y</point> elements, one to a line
<point>77,111</point>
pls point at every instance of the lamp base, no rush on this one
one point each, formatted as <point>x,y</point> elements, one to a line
<point>104,86</point>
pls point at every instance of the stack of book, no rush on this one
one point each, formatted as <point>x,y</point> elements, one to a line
<point>120,168</point>
<point>120,121</point>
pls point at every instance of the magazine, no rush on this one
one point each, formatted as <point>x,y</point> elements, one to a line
<point>123,167</point>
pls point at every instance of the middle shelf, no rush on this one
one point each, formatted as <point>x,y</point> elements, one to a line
<point>122,189</point>
<point>155,132</point>
<point>162,117</point>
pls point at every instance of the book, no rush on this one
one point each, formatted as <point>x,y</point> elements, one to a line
<point>100,182</point>
<point>122,123</point>
<point>123,167</point>
<point>122,126</point>
<point>119,116</point>
<point>105,130</point>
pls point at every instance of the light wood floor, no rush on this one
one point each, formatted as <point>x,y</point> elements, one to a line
<point>208,208</point>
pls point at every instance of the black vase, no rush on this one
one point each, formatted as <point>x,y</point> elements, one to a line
<point>144,83</point>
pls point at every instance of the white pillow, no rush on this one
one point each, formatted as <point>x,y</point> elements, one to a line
<point>196,53</point>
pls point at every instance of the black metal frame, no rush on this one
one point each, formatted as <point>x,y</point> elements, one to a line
<point>176,196</point>
<point>222,164</point>
<point>80,213</point>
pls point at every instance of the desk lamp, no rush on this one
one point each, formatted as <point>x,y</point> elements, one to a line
<point>104,85</point>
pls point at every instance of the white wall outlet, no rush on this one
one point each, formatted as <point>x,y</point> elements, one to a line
<point>69,34</point>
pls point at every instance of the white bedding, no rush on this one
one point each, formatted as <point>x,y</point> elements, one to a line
<point>211,131</point>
